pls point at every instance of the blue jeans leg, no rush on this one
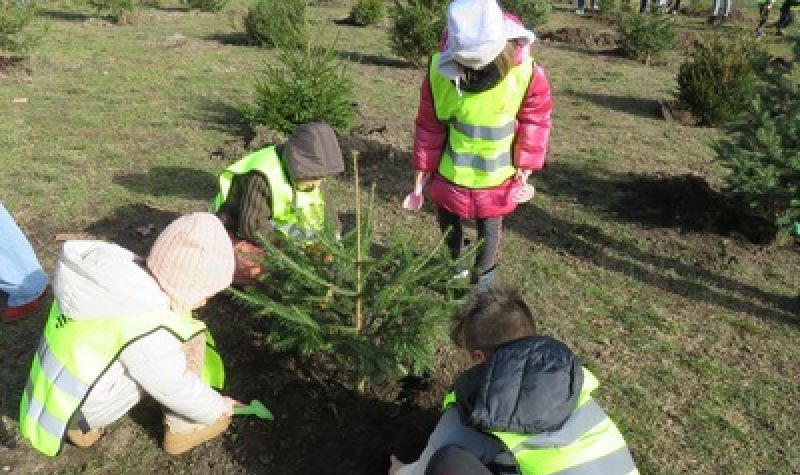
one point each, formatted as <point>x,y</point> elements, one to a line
<point>21,275</point>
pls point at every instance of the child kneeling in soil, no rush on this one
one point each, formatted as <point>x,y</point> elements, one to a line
<point>120,328</point>
<point>524,407</point>
<point>279,187</point>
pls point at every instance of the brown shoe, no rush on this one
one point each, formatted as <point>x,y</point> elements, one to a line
<point>175,443</point>
<point>84,440</point>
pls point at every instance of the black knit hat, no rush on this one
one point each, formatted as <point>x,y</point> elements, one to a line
<point>312,152</point>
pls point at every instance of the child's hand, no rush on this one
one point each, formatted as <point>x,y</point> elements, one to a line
<point>230,403</point>
<point>394,465</point>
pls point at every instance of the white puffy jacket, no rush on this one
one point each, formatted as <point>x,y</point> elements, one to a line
<point>95,279</point>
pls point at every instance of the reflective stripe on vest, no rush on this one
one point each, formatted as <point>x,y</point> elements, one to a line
<point>73,355</point>
<point>297,214</point>
<point>588,443</point>
<point>481,126</point>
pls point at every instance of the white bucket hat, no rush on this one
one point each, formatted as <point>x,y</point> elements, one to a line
<point>477,31</point>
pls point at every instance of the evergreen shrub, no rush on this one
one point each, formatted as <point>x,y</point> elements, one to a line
<point>607,6</point>
<point>207,5</point>
<point>720,78</point>
<point>15,21</point>
<point>276,23</point>
<point>762,150</point>
<point>375,313</point>
<point>645,36</point>
<point>306,85</point>
<point>416,28</point>
<point>119,11</point>
<point>367,12</point>
<point>533,13</point>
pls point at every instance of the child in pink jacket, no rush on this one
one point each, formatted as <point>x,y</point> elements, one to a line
<point>482,126</point>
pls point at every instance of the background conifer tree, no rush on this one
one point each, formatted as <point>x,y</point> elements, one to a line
<point>763,149</point>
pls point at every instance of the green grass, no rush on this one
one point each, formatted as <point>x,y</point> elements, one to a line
<point>696,356</point>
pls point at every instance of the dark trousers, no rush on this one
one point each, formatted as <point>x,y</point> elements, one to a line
<point>763,13</point>
<point>787,16</point>
<point>489,230</point>
<point>453,460</point>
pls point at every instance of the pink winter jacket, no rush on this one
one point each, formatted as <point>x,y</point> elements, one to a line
<point>530,148</point>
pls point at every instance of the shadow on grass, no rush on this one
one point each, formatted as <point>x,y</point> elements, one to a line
<point>169,8</point>
<point>67,16</point>
<point>170,181</point>
<point>230,39</point>
<point>678,202</point>
<point>647,108</point>
<point>12,63</point>
<point>223,117</point>
<point>375,60</point>
<point>683,202</point>
<point>134,227</point>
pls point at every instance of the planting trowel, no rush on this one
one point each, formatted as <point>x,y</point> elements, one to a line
<point>255,408</point>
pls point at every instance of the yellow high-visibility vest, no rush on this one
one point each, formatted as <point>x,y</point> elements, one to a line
<point>74,354</point>
<point>481,126</point>
<point>589,443</point>
<point>297,214</point>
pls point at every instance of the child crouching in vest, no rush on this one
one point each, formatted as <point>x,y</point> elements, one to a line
<point>524,407</point>
<point>279,187</point>
<point>120,329</point>
<point>482,126</point>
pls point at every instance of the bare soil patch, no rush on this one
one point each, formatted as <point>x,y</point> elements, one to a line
<point>581,36</point>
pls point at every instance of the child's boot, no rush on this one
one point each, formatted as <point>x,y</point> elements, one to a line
<point>181,434</point>
<point>83,438</point>
<point>14,314</point>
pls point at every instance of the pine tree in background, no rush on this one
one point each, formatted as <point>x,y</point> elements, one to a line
<point>763,150</point>
<point>377,312</point>
<point>15,32</point>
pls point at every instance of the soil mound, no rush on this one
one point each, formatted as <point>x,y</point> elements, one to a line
<point>582,36</point>
<point>689,203</point>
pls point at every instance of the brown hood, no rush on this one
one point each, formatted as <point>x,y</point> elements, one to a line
<point>312,152</point>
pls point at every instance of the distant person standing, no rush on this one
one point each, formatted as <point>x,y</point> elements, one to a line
<point>22,280</point>
<point>764,7</point>
<point>720,11</point>
<point>788,11</point>
<point>593,5</point>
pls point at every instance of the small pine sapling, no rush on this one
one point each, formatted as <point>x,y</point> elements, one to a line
<point>416,28</point>
<point>15,21</point>
<point>719,79</point>
<point>367,12</point>
<point>645,36</point>
<point>376,313</point>
<point>533,13</point>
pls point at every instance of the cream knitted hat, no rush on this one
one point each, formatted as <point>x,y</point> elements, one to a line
<point>192,259</point>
